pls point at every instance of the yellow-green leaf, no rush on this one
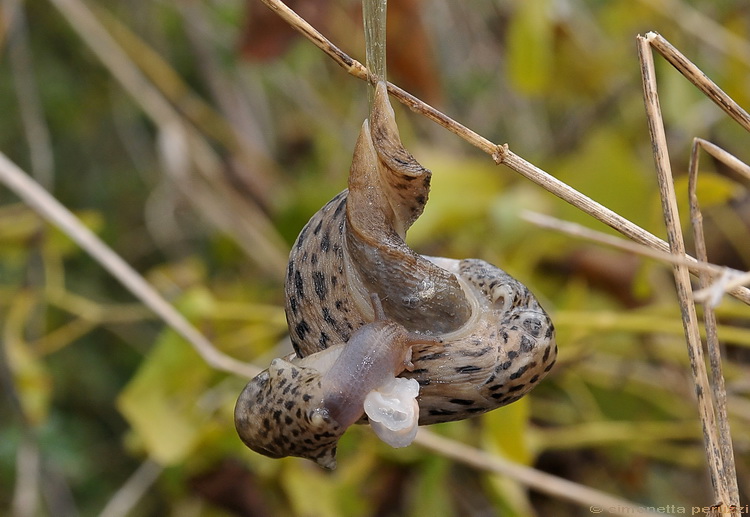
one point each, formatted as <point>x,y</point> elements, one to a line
<point>161,401</point>
<point>530,46</point>
<point>712,189</point>
<point>310,493</point>
<point>505,432</point>
<point>31,379</point>
<point>430,498</point>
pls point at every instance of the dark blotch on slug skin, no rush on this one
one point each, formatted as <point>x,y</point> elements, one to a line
<point>319,283</point>
<point>325,243</point>
<point>299,285</point>
<point>302,329</point>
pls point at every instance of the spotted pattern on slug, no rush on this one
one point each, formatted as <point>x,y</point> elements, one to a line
<point>502,355</point>
<point>277,415</point>
<point>319,305</point>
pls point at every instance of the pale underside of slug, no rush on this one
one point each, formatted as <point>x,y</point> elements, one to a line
<point>493,341</point>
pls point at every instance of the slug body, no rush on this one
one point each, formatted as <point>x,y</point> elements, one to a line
<point>322,394</point>
<point>489,341</point>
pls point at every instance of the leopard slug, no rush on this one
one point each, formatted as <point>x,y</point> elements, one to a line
<point>490,340</point>
<point>325,392</point>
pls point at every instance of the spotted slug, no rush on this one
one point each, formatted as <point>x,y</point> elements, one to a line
<point>324,393</point>
<point>490,340</point>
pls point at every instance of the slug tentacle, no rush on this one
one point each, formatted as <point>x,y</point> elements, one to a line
<point>453,338</point>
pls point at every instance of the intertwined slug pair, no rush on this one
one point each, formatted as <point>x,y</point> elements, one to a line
<point>471,336</point>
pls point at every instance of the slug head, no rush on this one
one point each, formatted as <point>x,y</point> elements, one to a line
<point>280,413</point>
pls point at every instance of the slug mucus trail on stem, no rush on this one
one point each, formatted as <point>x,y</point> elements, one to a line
<point>468,336</point>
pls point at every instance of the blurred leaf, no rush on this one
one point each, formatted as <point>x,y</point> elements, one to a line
<point>160,402</point>
<point>713,189</point>
<point>18,223</point>
<point>31,378</point>
<point>462,190</point>
<point>429,497</point>
<point>310,492</point>
<point>530,38</point>
<point>505,432</point>
<point>735,74</point>
<point>606,169</point>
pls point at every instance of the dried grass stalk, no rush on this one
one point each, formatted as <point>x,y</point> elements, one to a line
<point>723,476</point>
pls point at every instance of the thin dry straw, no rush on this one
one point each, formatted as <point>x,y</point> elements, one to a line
<point>596,501</point>
<point>681,273</point>
<point>53,211</point>
<point>122,503</point>
<point>374,15</point>
<point>727,475</point>
<point>700,80</point>
<point>501,154</point>
<point>577,230</point>
<point>255,233</point>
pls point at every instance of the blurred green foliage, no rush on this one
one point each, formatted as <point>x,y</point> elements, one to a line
<point>95,386</point>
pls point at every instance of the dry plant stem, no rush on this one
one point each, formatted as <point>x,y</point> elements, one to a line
<point>694,74</point>
<point>262,238</point>
<point>709,319</point>
<point>374,17</point>
<point>738,166</point>
<point>130,494</point>
<point>50,209</point>
<point>723,156</point>
<point>535,479</point>
<point>703,27</point>
<point>35,128</point>
<point>681,274</point>
<point>28,477</point>
<point>501,154</point>
<point>577,230</point>
<point>10,11</point>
